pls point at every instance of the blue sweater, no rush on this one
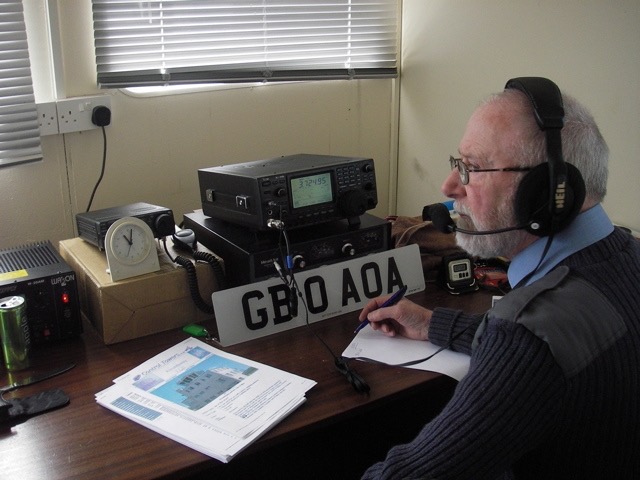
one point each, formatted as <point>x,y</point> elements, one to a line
<point>532,407</point>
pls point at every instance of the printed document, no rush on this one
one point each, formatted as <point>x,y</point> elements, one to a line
<point>202,397</point>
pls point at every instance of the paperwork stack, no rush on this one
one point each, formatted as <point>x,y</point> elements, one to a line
<point>204,398</point>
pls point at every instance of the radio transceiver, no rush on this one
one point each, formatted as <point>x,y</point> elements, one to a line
<point>93,226</point>
<point>252,253</point>
<point>289,192</point>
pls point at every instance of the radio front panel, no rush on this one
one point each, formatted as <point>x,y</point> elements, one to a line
<point>297,190</point>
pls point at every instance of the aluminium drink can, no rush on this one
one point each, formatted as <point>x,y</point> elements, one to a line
<point>14,332</point>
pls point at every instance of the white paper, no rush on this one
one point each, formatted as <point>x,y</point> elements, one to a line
<point>202,397</point>
<point>374,345</point>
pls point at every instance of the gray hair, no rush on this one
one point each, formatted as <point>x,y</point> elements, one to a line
<point>582,143</point>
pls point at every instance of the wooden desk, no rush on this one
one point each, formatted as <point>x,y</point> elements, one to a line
<point>337,433</point>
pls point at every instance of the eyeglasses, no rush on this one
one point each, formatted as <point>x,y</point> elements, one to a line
<point>464,169</point>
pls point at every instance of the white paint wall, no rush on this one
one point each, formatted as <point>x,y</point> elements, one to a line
<point>456,52</point>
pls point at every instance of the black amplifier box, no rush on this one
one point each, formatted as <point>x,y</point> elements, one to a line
<point>93,226</point>
<point>249,255</point>
<point>39,274</point>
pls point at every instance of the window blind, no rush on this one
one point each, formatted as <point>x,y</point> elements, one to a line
<point>19,130</point>
<point>177,42</point>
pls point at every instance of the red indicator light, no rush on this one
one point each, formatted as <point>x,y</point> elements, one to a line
<point>65,298</point>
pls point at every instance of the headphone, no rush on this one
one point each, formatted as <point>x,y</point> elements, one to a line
<point>549,196</point>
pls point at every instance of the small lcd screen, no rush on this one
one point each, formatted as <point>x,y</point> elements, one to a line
<point>460,267</point>
<point>311,190</point>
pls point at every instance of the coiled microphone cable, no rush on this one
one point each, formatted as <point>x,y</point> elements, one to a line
<point>192,275</point>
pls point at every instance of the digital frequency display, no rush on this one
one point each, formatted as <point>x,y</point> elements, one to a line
<point>311,190</point>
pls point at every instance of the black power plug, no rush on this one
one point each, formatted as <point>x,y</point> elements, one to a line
<point>101,116</point>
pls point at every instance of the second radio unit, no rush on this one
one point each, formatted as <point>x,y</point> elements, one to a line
<point>289,192</point>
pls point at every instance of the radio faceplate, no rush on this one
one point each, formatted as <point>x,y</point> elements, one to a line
<point>299,190</point>
<point>249,255</point>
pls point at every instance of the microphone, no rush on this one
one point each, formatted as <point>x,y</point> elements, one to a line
<point>439,215</point>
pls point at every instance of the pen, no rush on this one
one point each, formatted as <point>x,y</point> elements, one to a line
<point>392,300</point>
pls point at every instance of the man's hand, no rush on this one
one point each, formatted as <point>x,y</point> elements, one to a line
<point>406,318</point>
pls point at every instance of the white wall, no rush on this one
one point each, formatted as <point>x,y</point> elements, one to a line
<point>157,144</point>
<point>456,52</point>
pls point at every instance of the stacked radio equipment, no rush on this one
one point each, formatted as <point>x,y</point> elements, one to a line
<point>320,201</point>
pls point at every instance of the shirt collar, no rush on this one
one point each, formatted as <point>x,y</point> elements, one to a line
<point>588,227</point>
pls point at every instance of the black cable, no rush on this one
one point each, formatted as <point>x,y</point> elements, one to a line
<point>214,262</point>
<point>166,250</point>
<point>289,259</point>
<point>288,277</point>
<point>192,275</point>
<point>104,163</point>
<point>420,360</point>
<point>341,363</point>
<point>192,280</point>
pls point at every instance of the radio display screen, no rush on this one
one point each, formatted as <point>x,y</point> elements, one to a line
<point>311,190</point>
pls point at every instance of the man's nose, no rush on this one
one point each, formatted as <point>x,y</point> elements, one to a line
<point>452,186</point>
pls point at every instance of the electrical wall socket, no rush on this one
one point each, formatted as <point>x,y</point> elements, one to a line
<point>74,114</point>
<point>48,118</point>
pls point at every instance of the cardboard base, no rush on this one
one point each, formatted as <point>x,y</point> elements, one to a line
<point>137,306</point>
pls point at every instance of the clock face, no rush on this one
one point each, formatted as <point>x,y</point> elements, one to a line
<point>130,243</point>
<point>130,248</point>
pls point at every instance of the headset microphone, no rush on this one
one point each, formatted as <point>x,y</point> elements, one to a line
<point>439,215</point>
<point>442,221</point>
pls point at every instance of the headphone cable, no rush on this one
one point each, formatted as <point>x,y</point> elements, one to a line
<point>341,363</point>
<point>288,277</point>
<point>429,357</point>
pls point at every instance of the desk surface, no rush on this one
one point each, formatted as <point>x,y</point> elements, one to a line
<point>85,440</point>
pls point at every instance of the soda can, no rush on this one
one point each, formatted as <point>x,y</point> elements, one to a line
<point>14,332</point>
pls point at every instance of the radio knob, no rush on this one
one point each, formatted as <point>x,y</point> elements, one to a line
<point>367,168</point>
<point>348,249</point>
<point>280,192</point>
<point>353,203</point>
<point>164,225</point>
<point>299,261</point>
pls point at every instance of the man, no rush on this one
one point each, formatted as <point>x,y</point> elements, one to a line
<point>554,381</point>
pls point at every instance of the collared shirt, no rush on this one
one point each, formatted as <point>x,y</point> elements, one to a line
<point>587,228</point>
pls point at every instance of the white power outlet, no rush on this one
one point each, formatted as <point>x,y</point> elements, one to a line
<point>74,114</point>
<point>48,118</point>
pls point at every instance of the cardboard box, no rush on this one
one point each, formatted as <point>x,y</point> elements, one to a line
<point>137,306</point>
